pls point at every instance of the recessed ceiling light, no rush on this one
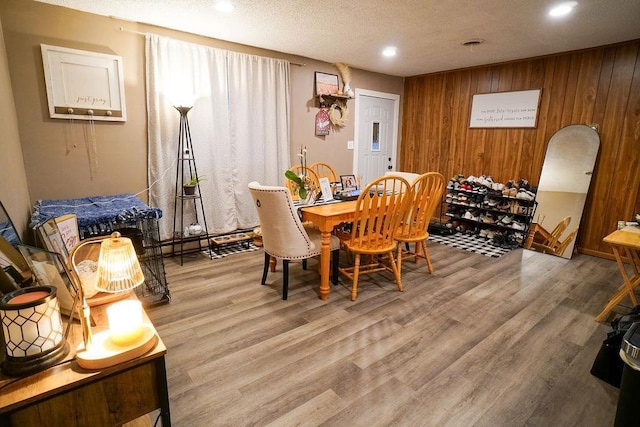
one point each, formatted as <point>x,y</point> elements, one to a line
<point>390,51</point>
<point>225,6</point>
<point>562,9</point>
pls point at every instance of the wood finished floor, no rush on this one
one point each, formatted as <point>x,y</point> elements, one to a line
<point>481,341</point>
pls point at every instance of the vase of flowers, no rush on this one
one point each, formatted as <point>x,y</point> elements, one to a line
<point>304,186</point>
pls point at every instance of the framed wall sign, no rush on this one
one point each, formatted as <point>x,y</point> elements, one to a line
<point>505,109</point>
<point>83,85</point>
<point>326,84</point>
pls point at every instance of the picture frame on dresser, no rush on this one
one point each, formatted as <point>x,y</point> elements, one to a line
<point>52,239</point>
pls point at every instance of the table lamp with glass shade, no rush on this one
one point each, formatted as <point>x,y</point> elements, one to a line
<point>128,336</point>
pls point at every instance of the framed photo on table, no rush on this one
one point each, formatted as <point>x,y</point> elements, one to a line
<point>68,227</point>
<point>348,182</point>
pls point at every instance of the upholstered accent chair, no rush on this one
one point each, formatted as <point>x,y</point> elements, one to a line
<point>284,236</point>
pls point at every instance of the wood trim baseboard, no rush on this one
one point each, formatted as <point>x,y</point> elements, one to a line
<point>599,254</point>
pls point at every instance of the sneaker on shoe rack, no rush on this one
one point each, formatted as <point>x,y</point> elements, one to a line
<point>483,232</point>
<point>503,205</point>
<point>489,219</point>
<point>467,214</point>
<point>491,234</point>
<point>509,243</point>
<point>471,178</point>
<point>513,192</point>
<point>507,220</point>
<point>498,238</point>
<point>517,225</point>
<point>518,237</point>
<point>525,195</point>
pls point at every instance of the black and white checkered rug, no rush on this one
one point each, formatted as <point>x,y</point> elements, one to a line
<point>231,249</point>
<point>470,243</point>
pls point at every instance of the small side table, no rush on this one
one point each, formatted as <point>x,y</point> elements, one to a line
<point>67,395</point>
<point>626,249</point>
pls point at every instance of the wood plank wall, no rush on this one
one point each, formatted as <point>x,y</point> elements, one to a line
<point>600,85</point>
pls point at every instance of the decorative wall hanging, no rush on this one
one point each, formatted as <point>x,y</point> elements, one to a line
<point>83,85</point>
<point>505,109</point>
<point>323,123</point>
<point>338,113</point>
<point>326,84</point>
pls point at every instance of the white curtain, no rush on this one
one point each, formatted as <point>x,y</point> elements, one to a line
<point>239,128</point>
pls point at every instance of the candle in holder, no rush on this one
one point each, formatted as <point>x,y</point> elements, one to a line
<point>32,329</point>
<point>125,322</point>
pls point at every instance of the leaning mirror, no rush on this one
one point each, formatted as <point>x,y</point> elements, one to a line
<point>7,230</point>
<point>14,271</point>
<point>562,190</point>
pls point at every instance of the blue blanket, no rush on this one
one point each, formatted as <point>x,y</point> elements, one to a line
<point>96,215</point>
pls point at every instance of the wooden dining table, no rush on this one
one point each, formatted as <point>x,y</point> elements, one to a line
<point>326,218</point>
<point>626,249</point>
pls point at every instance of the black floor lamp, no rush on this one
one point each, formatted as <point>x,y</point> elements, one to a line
<point>187,190</point>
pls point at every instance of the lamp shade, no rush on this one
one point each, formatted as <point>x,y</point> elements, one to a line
<point>118,266</point>
<point>32,329</point>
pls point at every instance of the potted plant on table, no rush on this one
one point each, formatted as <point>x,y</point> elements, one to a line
<point>189,188</point>
<point>304,186</point>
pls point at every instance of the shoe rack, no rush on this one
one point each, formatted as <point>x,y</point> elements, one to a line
<point>500,213</point>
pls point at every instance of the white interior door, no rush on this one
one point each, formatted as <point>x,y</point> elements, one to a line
<point>376,134</point>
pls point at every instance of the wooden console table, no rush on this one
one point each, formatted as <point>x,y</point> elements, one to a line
<point>67,395</point>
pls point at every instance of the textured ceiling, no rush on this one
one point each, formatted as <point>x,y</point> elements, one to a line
<point>427,33</point>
